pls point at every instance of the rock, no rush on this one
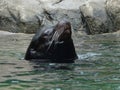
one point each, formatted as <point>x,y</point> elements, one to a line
<point>19,16</point>
<point>27,16</point>
<point>94,18</point>
<point>113,10</point>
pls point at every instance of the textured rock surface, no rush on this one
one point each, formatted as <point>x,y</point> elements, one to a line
<point>27,16</point>
<point>113,10</point>
<point>19,15</point>
<point>95,18</point>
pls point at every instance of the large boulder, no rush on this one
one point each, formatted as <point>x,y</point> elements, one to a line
<point>113,10</point>
<point>18,15</point>
<point>89,16</point>
<point>94,18</point>
<point>27,16</point>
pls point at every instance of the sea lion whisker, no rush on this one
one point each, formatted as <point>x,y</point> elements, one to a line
<point>49,45</point>
<point>55,36</point>
<point>53,44</point>
<point>52,40</point>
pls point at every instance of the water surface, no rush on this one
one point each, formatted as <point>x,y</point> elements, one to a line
<point>98,66</point>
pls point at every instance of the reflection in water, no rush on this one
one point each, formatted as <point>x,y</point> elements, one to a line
<point>98,68</point>
<point>37,65</point>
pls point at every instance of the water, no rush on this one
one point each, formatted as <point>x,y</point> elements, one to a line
<point>98,66</point>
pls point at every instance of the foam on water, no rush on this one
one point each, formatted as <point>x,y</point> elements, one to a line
<point>88,55</point>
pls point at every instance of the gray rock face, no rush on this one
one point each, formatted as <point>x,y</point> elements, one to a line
<point>28,16</point>
<point>113,10</point>
<point>94,18</point>
<point>19,15</point>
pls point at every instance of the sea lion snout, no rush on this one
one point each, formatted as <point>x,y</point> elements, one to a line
<point>63,30</point>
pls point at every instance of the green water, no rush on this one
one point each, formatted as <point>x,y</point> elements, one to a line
<point>98,67</point>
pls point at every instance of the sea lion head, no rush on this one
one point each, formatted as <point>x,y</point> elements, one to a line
<point>54,44</point>
<point>62,31</point>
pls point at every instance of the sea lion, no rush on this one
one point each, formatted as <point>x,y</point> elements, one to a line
<point>53,44</point>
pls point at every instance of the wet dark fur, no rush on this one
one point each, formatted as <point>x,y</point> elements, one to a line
<point>53,45</point>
